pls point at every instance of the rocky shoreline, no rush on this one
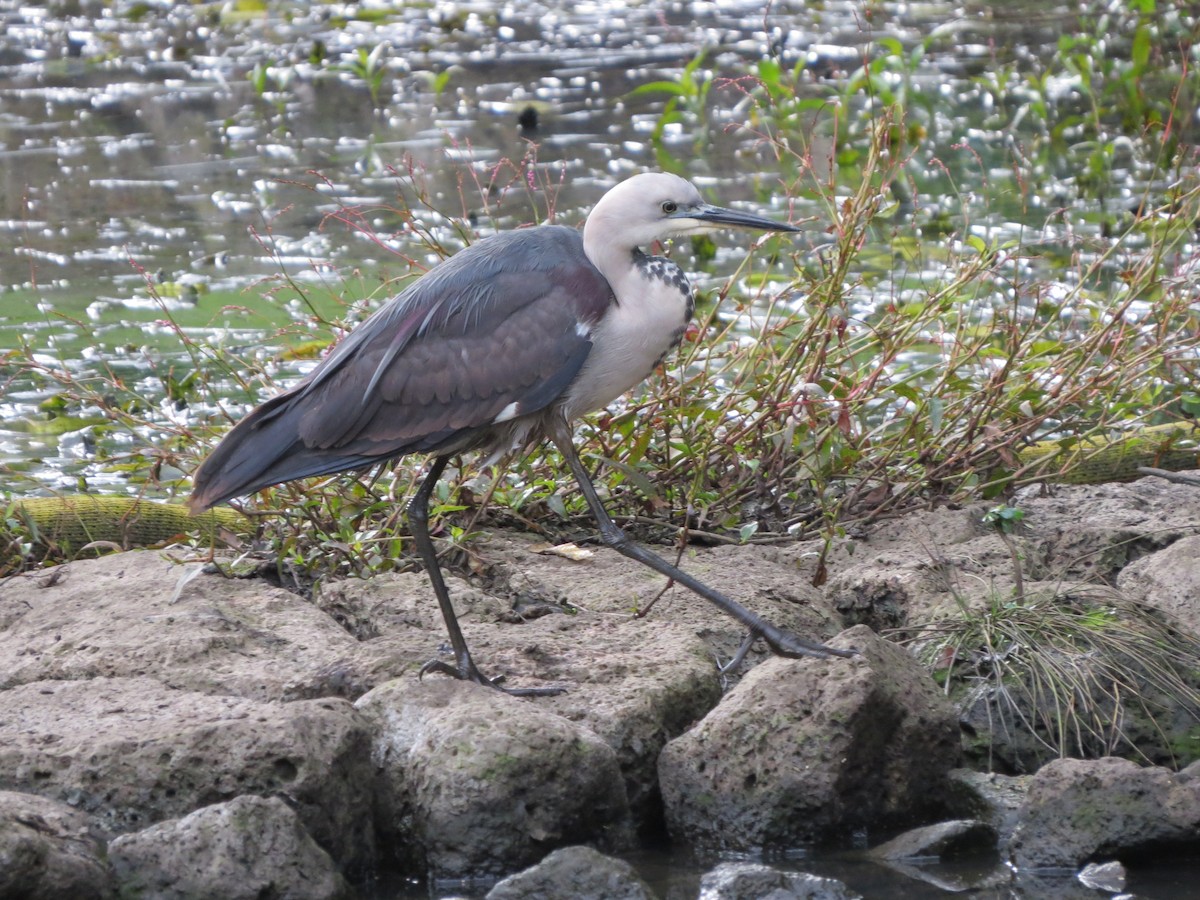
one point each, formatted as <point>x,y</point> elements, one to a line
<point>168,731</point>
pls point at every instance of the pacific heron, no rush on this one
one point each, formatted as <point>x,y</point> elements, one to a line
<point>496,348</point>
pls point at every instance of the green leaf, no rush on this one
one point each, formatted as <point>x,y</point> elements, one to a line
<point>659,87</point>
<point>1141,47</point>
<point>639,481</point>
<point>769,71</point>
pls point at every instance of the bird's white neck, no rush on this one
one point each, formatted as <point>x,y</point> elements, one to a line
<point>653,305</point>
<point>611,257</point>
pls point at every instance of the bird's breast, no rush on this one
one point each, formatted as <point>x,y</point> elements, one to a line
<point>645,323</point>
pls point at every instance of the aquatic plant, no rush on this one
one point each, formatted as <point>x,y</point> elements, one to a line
<point>370,67</point>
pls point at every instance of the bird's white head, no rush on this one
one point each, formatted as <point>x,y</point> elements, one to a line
<point>653,207</point>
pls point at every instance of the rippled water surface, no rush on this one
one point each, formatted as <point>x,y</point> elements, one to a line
<point>237,173</point>
<point>243,173</point>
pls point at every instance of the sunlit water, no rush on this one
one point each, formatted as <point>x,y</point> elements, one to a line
<point>172,170</point>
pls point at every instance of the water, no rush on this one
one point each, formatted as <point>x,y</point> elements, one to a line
<point>171,171</point>
<point>246,178</point>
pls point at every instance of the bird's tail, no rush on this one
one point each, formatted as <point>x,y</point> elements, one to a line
<point>263,449</point>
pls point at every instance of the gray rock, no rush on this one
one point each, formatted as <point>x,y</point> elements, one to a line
<point>1078,810</point>
<point>643,686</point>
<point>1169,581</point>
<point>1090,532</point>
<point>574,873</point>
<point>995,799</point>
<point>925,567</point>
<point>945,839</point>
<point>130,752</point>
<point>245,849</point>
<point>475,782</point>
<point>754,881</point>
<point>883,591</point>
<point>138,614</point>
<point>934,854</point>
<point>806,749</point>
<point>48,852</point>
<point>912,568</point>
<point>634,683</point>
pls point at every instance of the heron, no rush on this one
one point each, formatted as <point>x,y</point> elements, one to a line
<point>499,347</point>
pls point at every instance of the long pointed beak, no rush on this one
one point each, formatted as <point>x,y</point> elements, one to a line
<point>720,217</point>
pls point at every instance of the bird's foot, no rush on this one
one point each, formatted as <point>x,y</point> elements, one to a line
<point>467,671</point>
<point>782,643</point>
<point>738,658</point>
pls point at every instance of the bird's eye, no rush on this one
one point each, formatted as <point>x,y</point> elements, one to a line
<point>669,206</point>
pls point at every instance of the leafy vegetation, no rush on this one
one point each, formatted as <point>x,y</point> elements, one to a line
<point>1046,673</point>
<point>1081,673</point>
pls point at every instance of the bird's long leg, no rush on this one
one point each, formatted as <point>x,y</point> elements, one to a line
<point>782,642</point>
<point>464,667</point>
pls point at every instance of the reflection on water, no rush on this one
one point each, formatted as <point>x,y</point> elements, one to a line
<point>676,876</point>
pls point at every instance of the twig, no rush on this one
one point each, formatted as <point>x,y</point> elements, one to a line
<point>1177,477</point>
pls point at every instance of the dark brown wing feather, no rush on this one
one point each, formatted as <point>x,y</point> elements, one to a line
<point>497,324</point>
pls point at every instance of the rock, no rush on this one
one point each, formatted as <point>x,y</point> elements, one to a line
<point>945,839</point>
<point>578,873</point>
<point>1169,581</point>
<point>475,782</point>
<point>603,591</point>
<point>1109,876</point>
<point>244,849</point>
<point>1089,533</point>
<point>48,852</point>
<point>1073,542</point>
<point>129,752</point>
<point>995,799</point>
<point>807,749</point>
<point>635,683</point>
<point>140,690</point>
<point>139,614</point>
<point>880,593</point>
<point>934,854</point>
<point>911,568</point>
<point>638,687</point>
<point>1078,810</point>
<point>754,881</point>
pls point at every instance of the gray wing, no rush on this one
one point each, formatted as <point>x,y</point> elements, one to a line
<point>498,330</point>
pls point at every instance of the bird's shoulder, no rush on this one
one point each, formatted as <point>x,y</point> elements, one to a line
<point>508,270</point>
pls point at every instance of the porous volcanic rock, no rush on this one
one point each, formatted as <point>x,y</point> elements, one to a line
<point>579,873</point>
<point>140,689</point>
<point>48,851</point>
<point>1168,580</point>
<point>244,849</point>
<point>1080,811</point>
<point>755,881</point>
<point>943,839</point>
<point>991,798</point>
<point>477,782</point>
<point>803,750</point>
<point>130,752</point>
<point>141,614</point>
